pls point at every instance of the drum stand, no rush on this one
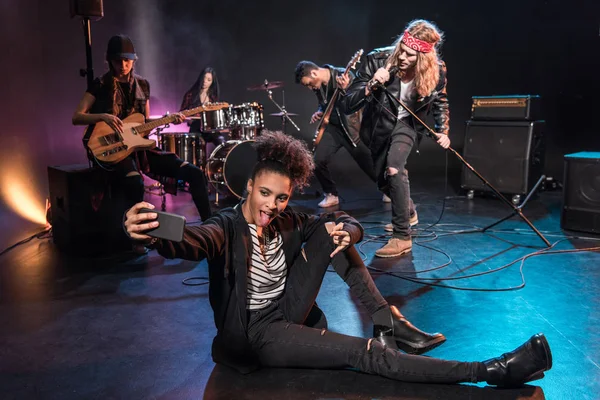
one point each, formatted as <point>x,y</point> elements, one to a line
<point>284,113</point>
<point>161,192</point>
<point>216,194</point>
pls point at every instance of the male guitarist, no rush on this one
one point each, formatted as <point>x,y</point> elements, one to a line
<point>118,94</point>
<point>341,132</point>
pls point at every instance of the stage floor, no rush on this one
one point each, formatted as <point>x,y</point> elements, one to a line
<point>109,328</point>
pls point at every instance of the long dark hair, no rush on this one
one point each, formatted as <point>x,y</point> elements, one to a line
<point>115,92</point>
<point>213,90</point>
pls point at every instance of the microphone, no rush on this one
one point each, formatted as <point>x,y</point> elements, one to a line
<point>374,84</point>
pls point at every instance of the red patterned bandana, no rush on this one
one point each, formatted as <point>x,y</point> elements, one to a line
<point>416,44</point>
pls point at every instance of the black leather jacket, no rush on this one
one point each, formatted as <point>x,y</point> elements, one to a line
<point>225,241</point>
<point>377,124</point>
<point>349,124</point>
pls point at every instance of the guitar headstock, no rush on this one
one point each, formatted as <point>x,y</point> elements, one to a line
<point>354,60</point>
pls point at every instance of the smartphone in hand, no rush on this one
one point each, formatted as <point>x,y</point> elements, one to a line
<point>170,226</point>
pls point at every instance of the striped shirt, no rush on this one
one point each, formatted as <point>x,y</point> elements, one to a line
<point>267,272</point>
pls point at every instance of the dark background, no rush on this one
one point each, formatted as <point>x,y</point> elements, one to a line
<point>550,48</point>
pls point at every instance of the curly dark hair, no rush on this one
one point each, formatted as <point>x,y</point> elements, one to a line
<point>285,155</point>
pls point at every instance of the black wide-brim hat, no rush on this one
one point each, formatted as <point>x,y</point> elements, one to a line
<point>119,47</point>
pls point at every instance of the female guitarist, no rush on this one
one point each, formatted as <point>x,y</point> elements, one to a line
<point>118,94</point>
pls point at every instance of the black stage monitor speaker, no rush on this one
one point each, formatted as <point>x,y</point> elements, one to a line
<point>86,8</point>
<point>581,192</point>
<point>509,154</point>
<point>86,211</point>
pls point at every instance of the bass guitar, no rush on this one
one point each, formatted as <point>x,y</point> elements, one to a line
<point>110,147</point>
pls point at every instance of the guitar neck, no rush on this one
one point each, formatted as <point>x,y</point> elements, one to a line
<point>335,94</point>
<point>327,113</point>
<point>149,126</point>
<point>331,103</point>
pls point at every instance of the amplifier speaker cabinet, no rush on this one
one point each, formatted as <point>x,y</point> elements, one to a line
<point>581,192</point>
<point>86,211</point>
<point>509,154</point>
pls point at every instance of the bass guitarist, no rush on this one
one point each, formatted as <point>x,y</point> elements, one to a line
<point>341,132</point>
<point>118,94</point>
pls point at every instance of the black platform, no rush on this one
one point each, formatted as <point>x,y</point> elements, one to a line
<point>74,328</point>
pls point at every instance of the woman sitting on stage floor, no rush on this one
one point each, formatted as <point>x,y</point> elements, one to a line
<point>266,265</point>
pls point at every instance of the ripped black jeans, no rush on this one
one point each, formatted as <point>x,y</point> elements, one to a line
<point>401,144</point>
<point>280,338</point>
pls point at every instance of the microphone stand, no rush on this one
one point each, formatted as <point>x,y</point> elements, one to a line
<point>517,209</point>
<point>284,113</point>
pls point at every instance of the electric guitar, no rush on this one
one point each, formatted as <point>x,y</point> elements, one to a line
<point>331,105</point>
<point>110,147</point>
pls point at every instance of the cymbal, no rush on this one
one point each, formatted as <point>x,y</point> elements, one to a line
<point>280,114</point>
<point>266,86</point>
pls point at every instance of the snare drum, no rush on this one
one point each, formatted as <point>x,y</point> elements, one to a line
<point>186,146</point>
<point>215,120</point>
<point>230,165</point>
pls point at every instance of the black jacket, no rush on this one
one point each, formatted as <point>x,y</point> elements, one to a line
<point>225,241</point>
<point>377,124</point>
<point>349,124</point>
<point>102,90</point>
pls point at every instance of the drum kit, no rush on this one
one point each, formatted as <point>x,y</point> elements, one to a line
<point>230,164</point>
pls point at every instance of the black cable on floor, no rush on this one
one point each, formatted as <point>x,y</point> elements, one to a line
<point>39,235</point>
<point>544,251</point>
<point>194,278</point>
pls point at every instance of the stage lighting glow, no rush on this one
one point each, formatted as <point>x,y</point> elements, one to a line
<point>18,194</point>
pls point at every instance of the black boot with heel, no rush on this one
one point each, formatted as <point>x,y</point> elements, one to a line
<point>402,335</point>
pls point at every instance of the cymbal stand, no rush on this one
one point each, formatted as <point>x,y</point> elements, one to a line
<point>284,113</point>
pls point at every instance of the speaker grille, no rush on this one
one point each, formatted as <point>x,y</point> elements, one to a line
<point>581,196</point>
<point>508,154</point>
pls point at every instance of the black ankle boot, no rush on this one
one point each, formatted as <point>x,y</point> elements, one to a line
<point>405,336</point>
<point>524,364</point>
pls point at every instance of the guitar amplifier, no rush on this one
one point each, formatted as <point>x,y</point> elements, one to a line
<point>506,108</point>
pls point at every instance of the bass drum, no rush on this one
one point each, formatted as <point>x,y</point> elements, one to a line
<point>230,165</point>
